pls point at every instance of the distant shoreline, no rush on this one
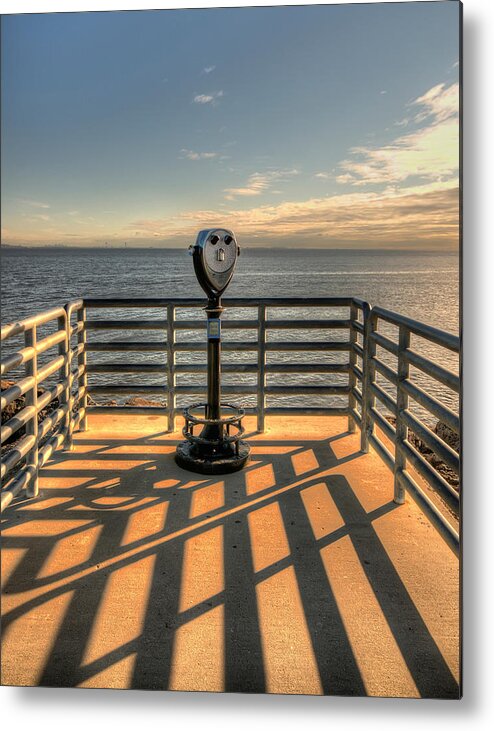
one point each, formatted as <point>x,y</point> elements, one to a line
<point>62,248</point>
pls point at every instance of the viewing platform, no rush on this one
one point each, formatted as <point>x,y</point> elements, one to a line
<point>328,565</point>
<point>297,575</point>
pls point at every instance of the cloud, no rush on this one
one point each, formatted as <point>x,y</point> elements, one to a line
<point>40,217</point>
<point>208,98</point>
<point>322,176</point>
<point>34,204</point>
<point>429,153</point>
<point>425,215</point>
<point>208,69</point>
<point>258,183</point>
<point>440,102</point>
<point>191,155</point>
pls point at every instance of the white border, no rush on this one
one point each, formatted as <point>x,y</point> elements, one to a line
<point>79,710</point>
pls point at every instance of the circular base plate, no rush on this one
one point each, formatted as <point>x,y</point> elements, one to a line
<point>186,457</point>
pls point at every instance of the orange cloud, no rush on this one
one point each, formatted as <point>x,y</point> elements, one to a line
<point>426,215</point>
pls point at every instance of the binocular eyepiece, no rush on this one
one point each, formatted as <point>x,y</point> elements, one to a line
<point>215,254</point>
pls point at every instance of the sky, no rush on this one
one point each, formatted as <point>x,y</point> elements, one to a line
<point>311,126</point>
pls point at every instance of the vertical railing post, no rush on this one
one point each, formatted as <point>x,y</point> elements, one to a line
<point>170,366</point>
<point>63,324</point>
<point>31,399</point>
<point>261,368</point>
<point>401,405</point>
<point>352,378</point>
<point>368,398</point>
<point>82,366</point>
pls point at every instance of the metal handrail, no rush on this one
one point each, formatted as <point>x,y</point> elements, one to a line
<point>412,472</point>
<point>261,323</point>
<point>366,400</point>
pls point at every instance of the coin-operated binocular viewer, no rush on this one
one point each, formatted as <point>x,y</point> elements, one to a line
<point>218,448</point>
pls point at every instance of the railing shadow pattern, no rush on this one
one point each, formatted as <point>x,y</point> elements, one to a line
<point>156,578</point>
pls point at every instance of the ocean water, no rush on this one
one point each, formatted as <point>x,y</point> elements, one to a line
<point>423,285</point>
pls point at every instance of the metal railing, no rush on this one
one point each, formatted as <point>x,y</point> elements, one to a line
<point>412,472</point>
<point>344,369</point>
<point>260,324</point>
<point>55,402</point>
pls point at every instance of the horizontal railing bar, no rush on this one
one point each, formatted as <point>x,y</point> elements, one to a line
<point>321,345</point>
<point>17,359</point>
<point>430,475</point>
<point>50,341</point>
<point>49,369</point>
<point>78,349</point>
<point>309,411</point>
<point>447,340</point>
<point>18,389</point>
<point>225,368</point>
<point>432,405</point>
<point>357,394</point>
<point>384,424</point>
<point>225,345</point>
<point>20,450</point>
<point>127,388</point>
<point>98,302</point>
<point>358,326</point>
<point>307,390</point>
<point>307,324</point>
<point>307,367</point>
<point>47,396</point>
<point>225,324</point>
<point>126,324</point>
<point>447,378</point>
<point>79,415</point>
<point>199,388</point>
<point>16,485</point>
<point>116,346</point>
<point>270,410</point>
<point>126,368</point>
<point>52,444</point>
<point>229,346</point>
<point>384,342</point>
<point>384,398</point>
<point>77,328</point>
<point>358,349</point>
<point>240,388</point>
<point>441,449</point>
<point>51,420</point>
<point>385,371</point>
<point>26,354</point>
<point>16,328</point>
<point>432,512</point>
<point>383,452</point>
<point>81,392</point>
<point>20,419</point>
<point>358,372</point>
<point>159,388</point>
<point>358,417</point>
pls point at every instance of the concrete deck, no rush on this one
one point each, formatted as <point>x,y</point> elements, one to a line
<point>297,575</point>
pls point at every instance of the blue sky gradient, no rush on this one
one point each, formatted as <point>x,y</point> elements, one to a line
<point>142,127</point>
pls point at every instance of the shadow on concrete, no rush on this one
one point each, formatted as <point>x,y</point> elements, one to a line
<point>176,580</point>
